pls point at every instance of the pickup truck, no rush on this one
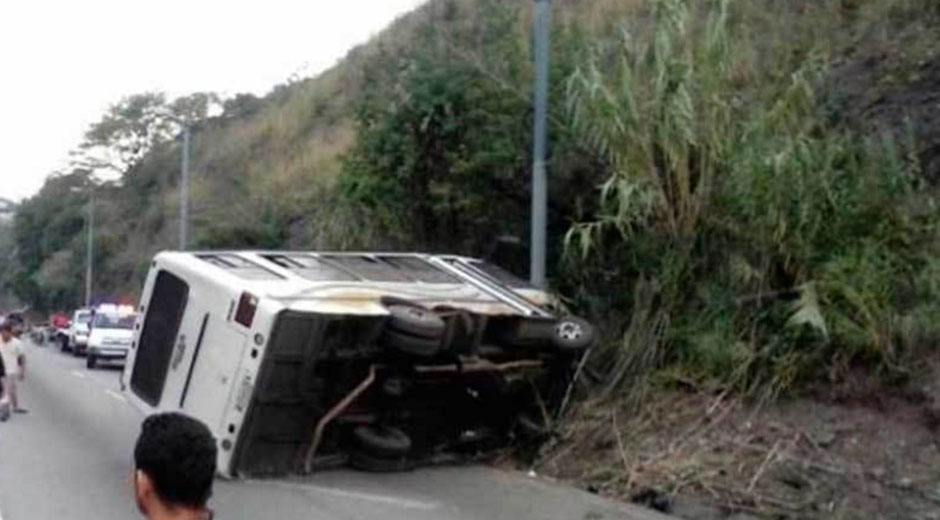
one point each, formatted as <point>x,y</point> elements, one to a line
<point>300,361</point>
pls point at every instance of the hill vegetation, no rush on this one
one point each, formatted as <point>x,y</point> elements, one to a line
<point>742,196</point>
<point>740,190</point>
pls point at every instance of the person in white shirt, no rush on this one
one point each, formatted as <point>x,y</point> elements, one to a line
<point>4,403</point>
<point>14,361</point>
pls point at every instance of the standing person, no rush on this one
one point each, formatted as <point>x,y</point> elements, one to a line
<point>17,324</point>
<point>14,361</point>
<point>174,462</point>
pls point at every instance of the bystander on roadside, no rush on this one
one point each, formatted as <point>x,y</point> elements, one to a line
<point>4,400</point>
<point>14,361</point>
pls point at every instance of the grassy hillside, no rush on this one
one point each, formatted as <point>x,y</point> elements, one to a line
<point>740,189</point>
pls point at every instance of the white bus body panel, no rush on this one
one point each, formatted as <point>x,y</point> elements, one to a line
<point>215,360</point>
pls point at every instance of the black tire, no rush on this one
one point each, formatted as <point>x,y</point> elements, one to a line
<point>572,334</point>
<point>76,351</point>
<point>64,342</point>
<point>91,362</point>
<point>365,462</point>
<point>412,345</point>
<point>415,321</point>
<point>382,441</point>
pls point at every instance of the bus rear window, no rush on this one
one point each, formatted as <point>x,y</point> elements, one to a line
<point>161,326</point>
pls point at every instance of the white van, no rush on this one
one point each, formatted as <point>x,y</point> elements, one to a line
<point>304,360</point>
<point>112,330</point>
<point>75,338</point>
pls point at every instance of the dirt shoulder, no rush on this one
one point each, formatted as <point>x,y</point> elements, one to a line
<point>818,456</point>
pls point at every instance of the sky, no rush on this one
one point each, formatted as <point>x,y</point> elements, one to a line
<point>62,63</point>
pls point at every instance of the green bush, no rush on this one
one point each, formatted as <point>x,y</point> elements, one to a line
<point>779,250</point>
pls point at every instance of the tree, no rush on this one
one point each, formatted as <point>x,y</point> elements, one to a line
<point>46,233</point>
<point>131,128</point>
<point>242,105</point>
<point>194,108</point>
<point>442,156</point>
<point>440,152</point>
<point>126,133</point>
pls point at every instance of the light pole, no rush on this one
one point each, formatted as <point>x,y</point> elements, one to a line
<point>90,255</point>
<point>184,190</point>
<point>90,239</point>
<point>542,30</point>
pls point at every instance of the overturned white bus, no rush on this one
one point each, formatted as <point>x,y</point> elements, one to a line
<point>305,360</point>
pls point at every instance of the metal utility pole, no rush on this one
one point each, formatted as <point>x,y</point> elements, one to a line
<point>91,244</point>
<point>184,191</point>
<point>542,29</point>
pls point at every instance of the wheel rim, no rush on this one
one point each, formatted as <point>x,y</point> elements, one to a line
<point>569,330</point>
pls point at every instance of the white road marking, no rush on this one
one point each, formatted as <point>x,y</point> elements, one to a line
<point>77,374</point>
<point>115,395</point>
<point>401,502</point>
<point>384,499</point>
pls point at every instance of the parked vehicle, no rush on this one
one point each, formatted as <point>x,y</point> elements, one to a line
<point>301,360</point>
<point>111,335</point>
<point>59,321</point>
<point>59,324</point>
<point>75,338</point>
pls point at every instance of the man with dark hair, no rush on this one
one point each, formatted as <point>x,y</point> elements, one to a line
<point>175,459</point>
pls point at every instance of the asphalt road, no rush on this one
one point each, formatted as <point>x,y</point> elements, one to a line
<point>70,458</point>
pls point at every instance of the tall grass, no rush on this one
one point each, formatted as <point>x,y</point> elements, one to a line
<point>761,248</point>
